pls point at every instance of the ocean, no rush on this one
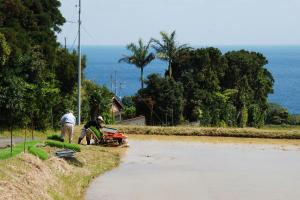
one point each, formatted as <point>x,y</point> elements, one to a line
<point>284,64</point>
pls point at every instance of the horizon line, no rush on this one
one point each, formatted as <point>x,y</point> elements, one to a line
<point>196,45</point>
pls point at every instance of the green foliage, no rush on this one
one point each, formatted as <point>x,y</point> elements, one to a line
<point>167,49</point>
<point>17,149</point>
<point>256,116</point>
<point>140,57</point>
<point>43,155</point>
<point>4,50</point>
<point>129,112</point>
<point>161,102</point>
<point>63,145</point>
<point>294,119</point>
<point>243,117</point>
<point>55,137</point>
<point>127,101</point>
<point>276,114</point>
<point>37,76</point>
<point>222,86</point>
<point>98,100</point>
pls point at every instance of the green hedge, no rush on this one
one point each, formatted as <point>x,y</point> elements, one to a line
<point>63,145</point>
<point>43,155</point>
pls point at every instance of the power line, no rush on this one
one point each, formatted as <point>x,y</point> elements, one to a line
<point>90,35</point>
<point>72,47</point>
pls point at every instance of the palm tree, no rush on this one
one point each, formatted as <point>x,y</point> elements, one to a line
<point>168,48</point>
<point>140,56</point>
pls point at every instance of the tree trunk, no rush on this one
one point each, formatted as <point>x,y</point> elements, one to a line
<point>142,77</point>
<point>170,69</point>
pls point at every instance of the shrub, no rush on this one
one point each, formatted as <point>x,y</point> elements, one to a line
<point>276,114</point>
<point>43,155</point>
<point>63,145</point>
<point>294,120</point>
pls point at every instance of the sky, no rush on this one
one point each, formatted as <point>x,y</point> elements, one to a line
<point>197,22</point>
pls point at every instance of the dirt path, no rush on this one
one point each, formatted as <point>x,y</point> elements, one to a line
<point>162,169</point>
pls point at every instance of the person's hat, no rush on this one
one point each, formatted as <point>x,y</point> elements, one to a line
<point>100,118</point>
<point>70,111</point>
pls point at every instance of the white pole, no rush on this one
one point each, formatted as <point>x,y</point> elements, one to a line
<point>79,68</point>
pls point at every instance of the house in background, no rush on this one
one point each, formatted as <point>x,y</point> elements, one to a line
<point>116,109</point>
<point>137,121</point>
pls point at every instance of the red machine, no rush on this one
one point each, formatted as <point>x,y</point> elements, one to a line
<point>109,137</point>
<point>113,136</point>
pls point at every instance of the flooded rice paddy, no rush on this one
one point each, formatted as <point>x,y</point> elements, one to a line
<point>206,168</point>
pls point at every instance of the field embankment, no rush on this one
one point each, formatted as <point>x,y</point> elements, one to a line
<point>26,177</point>
<point>267,132</point>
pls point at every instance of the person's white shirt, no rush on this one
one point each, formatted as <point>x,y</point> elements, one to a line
<point>68,118</point>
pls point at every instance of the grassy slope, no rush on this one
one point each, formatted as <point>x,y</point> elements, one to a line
<point>27,177</point>
<point>275,132</point>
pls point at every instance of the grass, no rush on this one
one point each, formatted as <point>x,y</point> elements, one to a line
<point>63,145</point>
<point>266,132</point>
<point>55,137</point>
<point>27,177</point>
<point>21,133</point>
<point>17,149</point>
<point>43,155</point>
<point>97,161</point>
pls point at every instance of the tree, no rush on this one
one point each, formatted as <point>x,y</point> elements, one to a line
<point>4,50</point>
<point>161,102</point>
<point>140,57</point>
<point>99,99</point>
<point>33,65</point>
<point>276,114</point>
<point>247,74</point>
<point>168,48</point>
<point>200,72</point>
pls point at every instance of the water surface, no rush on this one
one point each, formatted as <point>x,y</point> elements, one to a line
<point>176,168</point>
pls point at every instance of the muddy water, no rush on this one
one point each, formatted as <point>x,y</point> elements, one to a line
<point>203,168</point>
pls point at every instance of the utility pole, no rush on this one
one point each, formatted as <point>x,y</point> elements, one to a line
<point>79,67</point>
<point>65,43</point>
<point>116,83</point>
<point>111,83</point>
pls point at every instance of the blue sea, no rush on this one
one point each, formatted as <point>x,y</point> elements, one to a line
<point>284,63</point>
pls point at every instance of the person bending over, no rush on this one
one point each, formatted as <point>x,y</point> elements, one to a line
<point>67,125</point>
<point>96,123</point>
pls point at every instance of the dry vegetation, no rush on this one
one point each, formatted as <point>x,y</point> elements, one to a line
<point>27,177</point>
<point>268,132</point>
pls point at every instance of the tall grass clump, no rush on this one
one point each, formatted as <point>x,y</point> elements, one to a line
<point>63,145</point>
<point>43,155</point>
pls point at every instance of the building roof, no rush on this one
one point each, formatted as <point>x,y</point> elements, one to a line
<point>118,102</point>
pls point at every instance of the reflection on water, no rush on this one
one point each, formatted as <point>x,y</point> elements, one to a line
<point>167,167</point>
